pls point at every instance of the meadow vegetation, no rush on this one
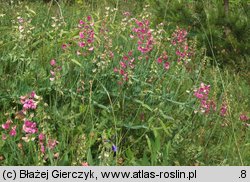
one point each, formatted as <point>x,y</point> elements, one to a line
<point>124,83</point>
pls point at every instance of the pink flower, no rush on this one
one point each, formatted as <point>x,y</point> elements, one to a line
<point>52,144</point>
<point>85,164</point>
<point>29,104</point>
<point>41,137</point>
<point>4,137</point>
<point>64,46</point>
<point>159,60</point>
<point>81,44</point>
<point>111,55</point>
<point>81,22</point>
<point>52,73</point>
<point>53,62</point>
<point>29,127</point>
<point>126,13</point>
<point>6,126</point>
<point>22,99</point>
<point>125,58</point>
<point>88,18</point>
<point>198,95</point>
<point>122,72</point>
<point>223,110</point>
<point>123,65</point>
<point>91,48</point>
<point>42,148</point>
<point>166,65</point>
<point>13,131</point>
<point>81,35</point>
<point>33,95</point>
<point>243,117</point>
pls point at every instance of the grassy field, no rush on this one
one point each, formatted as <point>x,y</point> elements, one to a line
<point>114,84</point>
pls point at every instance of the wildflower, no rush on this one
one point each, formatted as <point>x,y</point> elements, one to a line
<point>4,137</point>
<point>88,18</point>
<point>144,36</point>
<point>20,20</point>
<point>29,127</point>
<point>126,13</point>
<point>223,110</point>
<point>28,138</point>
<point>85,164</point>
<point>52,144</point>
<point>114,148</point>
<point>81,44</point>
<point>52,73</point>
<point>53,62</point>
<point>41,137</point>
<point>33,95</point>
<point>123,65</point>
<point>81,34</point>
<point>81,22</point>
<point>13,131</point>
<point>29,104</point>
<point>202,92</point>
<point>159,60</point>
<point>22,99</point>
<point>42,148</point>
<point>243,117</point>
<point>166,65</point>
<point>64,46</point>
<point>6,126</point>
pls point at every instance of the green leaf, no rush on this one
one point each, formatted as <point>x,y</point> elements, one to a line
<point>76,62</point>
<point>136,127</point>
<point>144,105</point>
<point>164,115</point>
<point>89,157</point>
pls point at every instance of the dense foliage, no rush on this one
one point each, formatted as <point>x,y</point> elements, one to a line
<point>123,83</point>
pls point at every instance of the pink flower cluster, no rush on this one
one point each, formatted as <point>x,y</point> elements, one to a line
<point>126,64</point>
<point>41,139</point>
<point>179,41</point>
<point>202,94</point>
<point>7,127</point>
<point>86,35</point>
<point>205,104</point>
<point>163,60</point>
<point>29,102</point>
<point>55,70</point>
<point>29,127</point>
<point>143,35</point>
<point>51,143</point>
